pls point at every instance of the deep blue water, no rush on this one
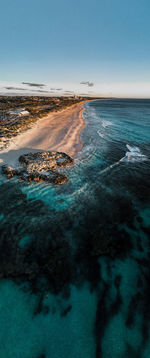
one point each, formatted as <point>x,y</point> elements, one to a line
<point>75,259</point>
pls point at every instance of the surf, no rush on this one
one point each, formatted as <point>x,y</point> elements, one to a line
<point>132,155</point>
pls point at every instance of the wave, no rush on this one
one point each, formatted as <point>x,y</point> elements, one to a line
<point>134,154</point>
<point>100,134</point>
<point>106,124</point>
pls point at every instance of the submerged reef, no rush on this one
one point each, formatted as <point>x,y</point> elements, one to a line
<point>34,243</point>
<point>105,247</point>
<point>40,166</point>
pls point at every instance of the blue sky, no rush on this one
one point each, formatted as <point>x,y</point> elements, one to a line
<point>62,43</point>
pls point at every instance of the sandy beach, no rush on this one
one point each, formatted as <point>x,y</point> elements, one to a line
<point>58,131</point>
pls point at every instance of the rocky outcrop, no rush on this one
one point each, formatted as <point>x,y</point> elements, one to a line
<point>40,166</point>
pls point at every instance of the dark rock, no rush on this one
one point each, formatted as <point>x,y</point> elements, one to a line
<point>45,160</point>
<point>40,166</point>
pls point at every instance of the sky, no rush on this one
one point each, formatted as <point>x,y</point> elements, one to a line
<point>98,47</point>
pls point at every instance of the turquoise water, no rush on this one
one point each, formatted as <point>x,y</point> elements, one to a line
<point>75,268</point>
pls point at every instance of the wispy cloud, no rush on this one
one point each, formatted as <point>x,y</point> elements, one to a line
<point>33,84</point>
<point>42,91</point>
<point>15,88</point>
<point>28,90</point>
<point>68,91</point>
<point>25,89</point>
<point>87,83</point>
<point>56,89</point>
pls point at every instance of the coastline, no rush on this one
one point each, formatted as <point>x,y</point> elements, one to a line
<point>58,131</point>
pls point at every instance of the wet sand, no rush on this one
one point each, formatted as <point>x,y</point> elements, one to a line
<point>59,131</point>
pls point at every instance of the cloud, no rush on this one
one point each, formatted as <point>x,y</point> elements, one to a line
<point>56,89</point>
<point>42,91</point>
<point>87,83</point>
<point>83,94</point>
<point>15,88</point>
<point>33,84</point>
<point>39,91</point>
<point>27,90</point>
<point>68,92</point>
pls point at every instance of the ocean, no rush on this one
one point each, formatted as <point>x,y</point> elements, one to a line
<point>75,258</point>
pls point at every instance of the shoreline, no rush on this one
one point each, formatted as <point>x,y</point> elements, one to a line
<point>58,131</point>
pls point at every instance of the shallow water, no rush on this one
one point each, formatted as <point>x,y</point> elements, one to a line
<point>75,258</point>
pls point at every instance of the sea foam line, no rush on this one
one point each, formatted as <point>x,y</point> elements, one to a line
<point>132,155</point>
<point>100,134</point>
<point>106,123</point>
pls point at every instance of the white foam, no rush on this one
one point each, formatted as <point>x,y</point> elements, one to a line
<point>131,149</point>
<point>106,124</point>
<point>100,134</point>
<point>80,190</point>
<point>134,154</point>
<point>112,165</point>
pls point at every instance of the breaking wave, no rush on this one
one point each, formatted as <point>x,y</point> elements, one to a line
<point>134,154</point>
<point>100,134</point>
<point>106,124</point>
